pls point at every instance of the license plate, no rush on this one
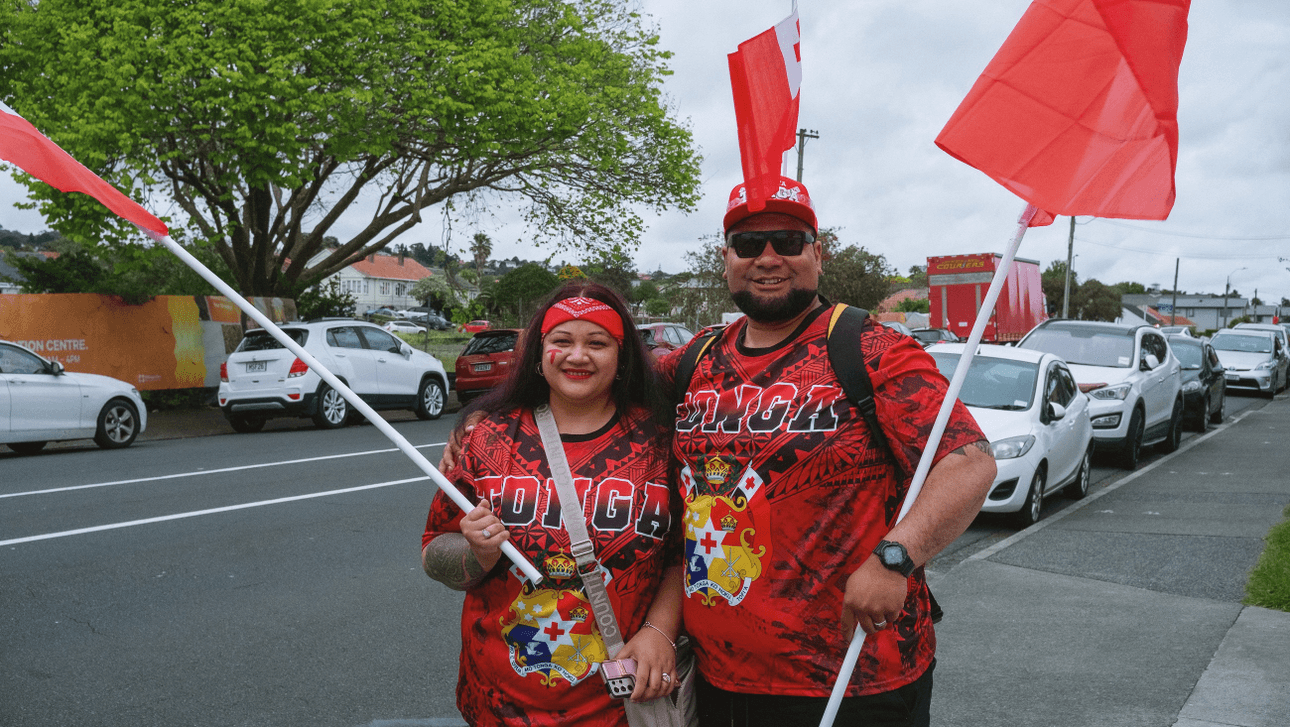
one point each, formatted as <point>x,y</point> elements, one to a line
<point>257,366</point>
<point>482,367</point>
<point>1233,377</point>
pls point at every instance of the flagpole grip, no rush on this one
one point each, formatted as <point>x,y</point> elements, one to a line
<point>363,408</point>
<point>934,440</point>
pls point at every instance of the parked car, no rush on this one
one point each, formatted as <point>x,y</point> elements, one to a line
<point>477,326</point>
<point>662,337</point>
<point>1283,353</point>
<point>929,336</point>
<point>1203,386</point>
<point>1133,380</point>
<point>262,379</point>
<point>898,326</point>
<point>402,327</point>
<point>1037,420</point>
<point>1177,331</point>
<point>387,312</point>
<point>1250,360</point>
<point>41,402</point>
<point>485,361</point>
<point>438,323</point>
<point>415,311</point>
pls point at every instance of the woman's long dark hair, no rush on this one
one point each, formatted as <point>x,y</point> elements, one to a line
<point>634,385</point>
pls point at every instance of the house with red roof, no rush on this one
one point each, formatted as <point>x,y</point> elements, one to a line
<point>382,281</point>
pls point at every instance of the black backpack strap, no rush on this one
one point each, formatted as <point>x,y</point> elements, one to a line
<point>689,361</point>
<point>848,322</point>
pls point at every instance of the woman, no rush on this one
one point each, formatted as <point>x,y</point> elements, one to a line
<point>530,652</point>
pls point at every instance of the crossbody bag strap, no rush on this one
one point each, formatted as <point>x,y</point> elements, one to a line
<point>575,523</point>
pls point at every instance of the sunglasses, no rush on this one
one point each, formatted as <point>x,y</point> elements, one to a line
<point>786,243</point>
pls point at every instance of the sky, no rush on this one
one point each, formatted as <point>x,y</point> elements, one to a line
<point>881,78</point>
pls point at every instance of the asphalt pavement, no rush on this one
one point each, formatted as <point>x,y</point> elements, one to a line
<point>1124,609</point>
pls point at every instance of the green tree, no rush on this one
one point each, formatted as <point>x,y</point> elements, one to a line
<point>658,307</point>
<point>647,290</point>
<point>134,272</point>
<point>258,125</point>
<point>918,276</point>
<point>612,269</point>
<point>852,275</point>
<point>325,299</point>
<point>435,292</point>
<point>700,294</point>
<point>1096,302</point>
<point>1053,281</point>
<point>914,305</point>
<point>480,248</point>
<point>519,291</point>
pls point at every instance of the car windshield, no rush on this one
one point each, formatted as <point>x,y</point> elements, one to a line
<point>1090,347</point>
<point>1188,356</point>
<point>262,341</point>
<point>1243,344</point>
<point>480,345</point>
<point>927,336</point>
<point>993,383</point>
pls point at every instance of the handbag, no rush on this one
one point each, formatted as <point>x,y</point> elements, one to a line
<point>678,709</point>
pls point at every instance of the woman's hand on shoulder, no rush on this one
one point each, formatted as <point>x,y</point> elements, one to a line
<point>654,657</point>
<point>452,450</point>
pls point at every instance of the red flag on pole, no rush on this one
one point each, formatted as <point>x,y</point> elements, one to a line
<point>766,75</point>
<point>1078,111</point>
<point>21,144</point>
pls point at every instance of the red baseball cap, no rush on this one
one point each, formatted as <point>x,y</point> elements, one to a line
<point>791,199</point>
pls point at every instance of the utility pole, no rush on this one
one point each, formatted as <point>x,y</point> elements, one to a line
<point>1173,311</point>
<point>802,136</point>
<point>1070,256</point>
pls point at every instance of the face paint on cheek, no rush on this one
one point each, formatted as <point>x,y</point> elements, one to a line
<point>552,352</point>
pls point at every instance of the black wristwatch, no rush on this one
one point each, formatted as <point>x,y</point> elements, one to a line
<point>894,557</point>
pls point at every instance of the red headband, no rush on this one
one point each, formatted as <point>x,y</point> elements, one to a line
<point>584,309</point>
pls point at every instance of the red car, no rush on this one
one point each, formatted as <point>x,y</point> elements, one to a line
<point>663,337</point>
<point>477,326</point>
<point>485,361</point>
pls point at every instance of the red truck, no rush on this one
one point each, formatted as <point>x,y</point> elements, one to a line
<point>958,284</point>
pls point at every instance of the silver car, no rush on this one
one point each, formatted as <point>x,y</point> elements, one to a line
<point>1250,360</point>
<point>1283,354</point>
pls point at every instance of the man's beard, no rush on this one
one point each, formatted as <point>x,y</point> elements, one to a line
<point>776,310</point>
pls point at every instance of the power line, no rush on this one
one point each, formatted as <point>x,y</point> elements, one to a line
<point>1184,234</point>
<point>1224,256</point>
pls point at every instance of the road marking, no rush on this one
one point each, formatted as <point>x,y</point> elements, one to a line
<point>212,511</point>
<point>212,472</point>
<point>1093,497</point>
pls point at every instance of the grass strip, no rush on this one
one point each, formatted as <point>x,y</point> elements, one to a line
<point>1269,584</point>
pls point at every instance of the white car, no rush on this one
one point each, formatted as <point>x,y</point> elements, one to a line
<point>402,327</point>
<point>1133,380</point>
<point>41,402</point>
<point>1037,420</point>
<point>262,379</point>
<point>1251,359</point>
<point>1282,349</point>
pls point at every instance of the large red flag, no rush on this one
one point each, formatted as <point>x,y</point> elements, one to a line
<point>1078,111</point>
<point>766,75</point>
<point>35,154</point>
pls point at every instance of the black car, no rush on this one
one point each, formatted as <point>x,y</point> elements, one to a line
<point>1203,386</point>
<point>929,336</point>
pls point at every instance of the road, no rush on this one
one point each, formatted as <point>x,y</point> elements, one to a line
<point>268,579</point>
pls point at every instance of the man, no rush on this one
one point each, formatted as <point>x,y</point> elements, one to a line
<point>788,494</point>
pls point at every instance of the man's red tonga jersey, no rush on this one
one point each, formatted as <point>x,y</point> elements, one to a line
<point>530,653</point>
<point>787,493</point>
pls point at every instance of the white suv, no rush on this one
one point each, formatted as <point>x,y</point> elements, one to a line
<point>262,379</point>
<point>1131,376</point>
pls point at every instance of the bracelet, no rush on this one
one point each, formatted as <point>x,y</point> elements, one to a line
<point>660,631</point>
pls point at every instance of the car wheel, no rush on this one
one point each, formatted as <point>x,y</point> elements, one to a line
<point>118,425</point>
<point>1220,415</point>
<point>1202,422</point>
<point>1174,438</point>
<point>333,410</point>
<point>1079,488</point>
<point>1132,442</point>
<point>430,400</point>
<point>1029,513</point>
<point>246,425</point>
<point>27,447</point>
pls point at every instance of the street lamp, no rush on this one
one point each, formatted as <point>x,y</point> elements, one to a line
<point>1226,289</point>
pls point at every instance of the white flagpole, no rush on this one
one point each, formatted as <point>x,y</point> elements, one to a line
<point>399,441</point>
<point>934,440</point>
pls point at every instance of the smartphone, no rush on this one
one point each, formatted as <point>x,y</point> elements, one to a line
<point>620,677</point>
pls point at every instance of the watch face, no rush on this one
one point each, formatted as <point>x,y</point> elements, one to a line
<point>891,555</point>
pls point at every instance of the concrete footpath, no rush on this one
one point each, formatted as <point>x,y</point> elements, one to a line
<point>1126,609</point>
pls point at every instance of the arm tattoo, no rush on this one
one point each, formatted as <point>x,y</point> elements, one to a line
<point>449,560</point>
<point>979,444</point>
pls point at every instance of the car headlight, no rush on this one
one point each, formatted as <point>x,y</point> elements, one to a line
<point>1265,366</point>
<point>1191,386</point>
<point>1012,447</point>
<point>1119,391</point>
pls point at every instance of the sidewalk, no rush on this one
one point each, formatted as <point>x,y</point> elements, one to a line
<point>1125,610</point>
